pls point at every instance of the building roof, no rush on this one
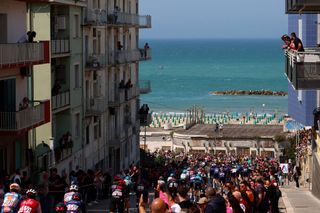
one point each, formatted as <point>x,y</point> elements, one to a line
<point>233,131</point>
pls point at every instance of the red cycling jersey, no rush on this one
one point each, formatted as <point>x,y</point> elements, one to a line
<point>29,206</point>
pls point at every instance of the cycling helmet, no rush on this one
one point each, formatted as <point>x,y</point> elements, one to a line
<point>31,193</point>
<point>15,186</point>
<point>74,187</point>
<point>60,208</point>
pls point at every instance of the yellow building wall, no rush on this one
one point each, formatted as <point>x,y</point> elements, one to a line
<point>40,23</point>
<point>318,144</point>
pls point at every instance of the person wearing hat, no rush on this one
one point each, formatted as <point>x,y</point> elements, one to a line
<point>202,203</point>
<point>12,199</point>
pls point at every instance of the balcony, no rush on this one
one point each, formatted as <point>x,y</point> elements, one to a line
<point>95,62</point>
<point>145,54</point>
<point>303,69</point>
<point>96,106</point>
<point>123,56</point>
<point>95,17</point>
<point>122,19</point>
<point>60,47</point>
<point>24,54</point>
<point>61,101</point>
<point>13,123</point>
<point>118,98</point>
<point>145,86</point>
<point>302,6</point>
<point>131,93</point>
<point>80,3</point>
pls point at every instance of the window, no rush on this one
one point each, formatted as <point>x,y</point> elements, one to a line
<point>76,76</point>
<point>76,26</point>
<point>77,125</point>
<point>95,133</point>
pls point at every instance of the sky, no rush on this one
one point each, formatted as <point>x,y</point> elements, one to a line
<point>214,18</point>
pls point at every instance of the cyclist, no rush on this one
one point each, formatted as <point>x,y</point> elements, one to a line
<point>30,204</point>
<point>75,205</point>
<point>12,199</point>
<point>72,190</point>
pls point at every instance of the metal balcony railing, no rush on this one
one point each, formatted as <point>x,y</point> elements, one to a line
<point>96,106</point>
<point>302,6</point>
<point>96,61</point>
<point>131,93</point>
<point>23,54</point>
<point>303,68</point>
<point>61,100</point>
<point>60,46</point>
<point>123,18</point>
<point>95,17</point>
<point>81,3</point>
<point>119,97</point>
<point>145,86</point>
<point>25,119</point>
<point>145,21</point>
<point>123,56</point>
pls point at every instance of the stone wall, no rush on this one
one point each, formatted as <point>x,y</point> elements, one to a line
<point>315,176</point>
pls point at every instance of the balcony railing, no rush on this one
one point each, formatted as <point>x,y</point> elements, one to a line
<point>302,6</point>
<point>131,93</point>
<point>118,98</point>
<point>60,46</point>
<point>128,19</point>
<point>96,106</point>
<point>123,56</point>
<point>81,3</point>
<point>23,54</point>
<point>303,69</point>
<point>96,62</point>
<point>26,119</point>
<point>145,54</point>
<point>145,86</point>
<point>95,17</point>
<point>61,100</point>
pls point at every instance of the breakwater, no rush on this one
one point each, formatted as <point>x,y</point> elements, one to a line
<point>250,92</point>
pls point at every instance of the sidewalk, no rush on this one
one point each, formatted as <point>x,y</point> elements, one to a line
<point>299,200</point>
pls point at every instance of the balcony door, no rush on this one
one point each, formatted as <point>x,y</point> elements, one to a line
<point>4,28</point>
<point>3,160</point>
<point>8,95</point>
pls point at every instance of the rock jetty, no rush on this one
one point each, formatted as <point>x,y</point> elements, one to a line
<point>250,92</point>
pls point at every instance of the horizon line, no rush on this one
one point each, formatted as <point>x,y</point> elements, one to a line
<point>204,38</point>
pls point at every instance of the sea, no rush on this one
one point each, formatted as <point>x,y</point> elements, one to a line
<point>183,72</point>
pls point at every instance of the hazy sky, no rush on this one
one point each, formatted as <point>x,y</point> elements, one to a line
<point>214,18</point>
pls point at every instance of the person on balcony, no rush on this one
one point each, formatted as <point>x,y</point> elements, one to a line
<point>119,45</point>
<point>286,39</point>
<point>297,42</point>
<point>31,36</point>
<point>24,38</point>
<point>115,14</point>
<point>146,49</point>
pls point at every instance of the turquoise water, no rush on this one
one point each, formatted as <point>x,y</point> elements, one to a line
<point>183,72</point>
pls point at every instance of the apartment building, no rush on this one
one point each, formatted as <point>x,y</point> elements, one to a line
<point>304,80</point>
<point>24,108</point>
<point>112,55</point>
<point>71,98</point>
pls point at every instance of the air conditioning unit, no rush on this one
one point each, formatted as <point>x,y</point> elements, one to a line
<point>61,23</point>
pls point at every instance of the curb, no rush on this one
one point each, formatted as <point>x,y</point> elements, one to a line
<point>285,199</point>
